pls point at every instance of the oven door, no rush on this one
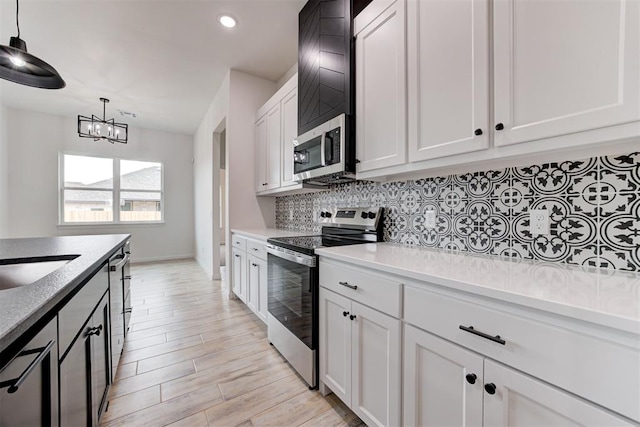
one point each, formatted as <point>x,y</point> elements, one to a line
<point>293,293</point>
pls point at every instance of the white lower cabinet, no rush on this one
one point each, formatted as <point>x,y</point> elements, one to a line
<point>239,274</point>
<point>442,382</point>
<point>249,273</point>
<point>360,358</point>
<point>445,384</point>
<point>257,286</point>
<point>402,352</point>
<point>515,399</point>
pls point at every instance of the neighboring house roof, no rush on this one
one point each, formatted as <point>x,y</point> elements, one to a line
<point>143,179</point>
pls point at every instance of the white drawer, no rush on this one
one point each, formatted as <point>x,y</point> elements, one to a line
<point>600,365</point>
<point>257,249</point>
<point>375,290</point>
<point>75,313</point>
<point>239,242</point>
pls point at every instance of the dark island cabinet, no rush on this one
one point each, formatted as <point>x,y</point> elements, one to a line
<point>85,366</point>
<point>29,381</point>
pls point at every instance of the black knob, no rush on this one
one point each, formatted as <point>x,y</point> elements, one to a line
<point>478,132</point>
<point>372,215</point>
<point>345,313</point>
<point>327,214</point>
<point>471,378</point>
<point>363,215</point>
<point>490,388</point>
<point>499,126</point>
<point>353,316</point>
<point>322,214</point>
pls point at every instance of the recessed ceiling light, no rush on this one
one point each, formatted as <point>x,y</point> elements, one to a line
<point>227,21</point>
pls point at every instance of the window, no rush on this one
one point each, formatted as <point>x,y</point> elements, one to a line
<point>91,184</point>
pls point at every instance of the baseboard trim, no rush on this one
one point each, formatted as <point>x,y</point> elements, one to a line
<point>161,258</point>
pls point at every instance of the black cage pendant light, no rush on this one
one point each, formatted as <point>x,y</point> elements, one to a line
<point>101,128</point>
<point>18,66</point>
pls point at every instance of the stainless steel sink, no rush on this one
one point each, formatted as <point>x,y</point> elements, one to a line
<point>15,273</point>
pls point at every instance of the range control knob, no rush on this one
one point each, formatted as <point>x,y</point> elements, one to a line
<point>363,215</point>
<point>322,214</point>
<point>327,214</point>
<point>372,215</point>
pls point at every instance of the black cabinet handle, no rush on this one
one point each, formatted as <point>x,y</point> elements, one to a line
<point>499,126</point>
<point>471,378</point>
<point>128,310</point>
<point>126,278</point>
<point>237,256</point>
<point>15,383</point>
<point>353,316</point>
<point>354,287</point>
<point>490,388</point>
<point>94,331</point>
<point>254,264</point>
<point>345,313</point>
<point>483,335</point>
<point>478,132</point>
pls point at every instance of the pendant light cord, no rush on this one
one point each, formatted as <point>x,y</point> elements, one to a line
<point>17,21</point>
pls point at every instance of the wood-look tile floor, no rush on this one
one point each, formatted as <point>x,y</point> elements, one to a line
<point>195,358</point>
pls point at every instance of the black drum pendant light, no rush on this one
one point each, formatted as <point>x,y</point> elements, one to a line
<point>18,66</point>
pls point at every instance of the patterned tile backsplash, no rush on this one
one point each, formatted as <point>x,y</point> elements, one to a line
<point>593,206</point>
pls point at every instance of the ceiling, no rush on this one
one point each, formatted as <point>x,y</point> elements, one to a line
<point>161,59</point>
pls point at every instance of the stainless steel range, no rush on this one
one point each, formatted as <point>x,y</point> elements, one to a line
<point>293,283</point>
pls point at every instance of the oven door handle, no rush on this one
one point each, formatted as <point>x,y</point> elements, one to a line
<point>298,258</point>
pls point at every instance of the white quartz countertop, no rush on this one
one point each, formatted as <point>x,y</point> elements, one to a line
<point>605,297</point>
<point>267,233</point>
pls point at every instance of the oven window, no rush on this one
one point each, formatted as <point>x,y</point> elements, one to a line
<point>292,288</point>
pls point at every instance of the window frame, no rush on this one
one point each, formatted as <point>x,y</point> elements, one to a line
<point>116,190</point>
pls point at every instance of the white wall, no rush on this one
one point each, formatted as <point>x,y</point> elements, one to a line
<point>34,143</point>
<point>204,188</point>
<point>287,76</point>
<point>4,174</point>
<point>233,108</point>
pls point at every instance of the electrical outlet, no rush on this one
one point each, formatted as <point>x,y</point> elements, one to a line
<point>539,219</point>
<point>430,219</point>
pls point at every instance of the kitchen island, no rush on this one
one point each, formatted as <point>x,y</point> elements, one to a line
<point>62,326</point>
<point>22,307</point>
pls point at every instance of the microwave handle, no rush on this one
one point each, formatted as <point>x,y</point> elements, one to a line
<point>323,160</point>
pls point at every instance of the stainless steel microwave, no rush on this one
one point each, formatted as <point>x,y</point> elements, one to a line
<point>324,155</point>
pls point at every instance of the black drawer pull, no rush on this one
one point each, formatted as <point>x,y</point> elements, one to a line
<point>354,287</point>
<point>483,335</point>
<point>345,313</point>
<point>128,310</point>
<point>352,316</point>
<point>471,378</point>
<point>15,384</point>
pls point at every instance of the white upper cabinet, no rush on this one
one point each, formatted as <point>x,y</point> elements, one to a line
<point>261,154</point>
<point>448,77</point>
<point>289,111</point>
<point>380,85</point>
<point>274,144</point>
<point>564,66</point>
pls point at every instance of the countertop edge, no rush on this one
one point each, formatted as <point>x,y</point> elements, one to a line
<point>555,308</point>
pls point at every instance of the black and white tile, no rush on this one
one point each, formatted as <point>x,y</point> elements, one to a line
<point>593,205</point>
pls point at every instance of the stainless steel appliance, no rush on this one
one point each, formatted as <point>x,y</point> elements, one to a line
<point>293,283</point>
<point>325,155</point>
